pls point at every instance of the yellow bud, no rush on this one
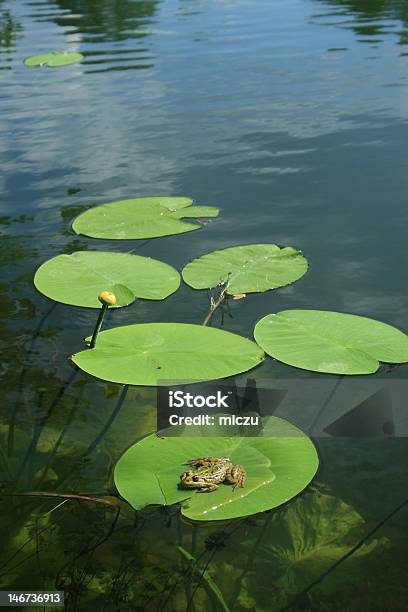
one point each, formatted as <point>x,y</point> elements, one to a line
<point>107,297</point>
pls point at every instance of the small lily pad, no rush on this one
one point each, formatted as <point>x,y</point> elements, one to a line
<point>54,59</point>
<point>77,279</point>
<point>279,465</point>
<point>137,218</point>
<point>249,268</point>
<point>330,342</point>
<point>163,354</point>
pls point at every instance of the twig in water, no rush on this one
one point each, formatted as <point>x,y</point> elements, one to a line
<point>85,498</point>
<point>215,304</point>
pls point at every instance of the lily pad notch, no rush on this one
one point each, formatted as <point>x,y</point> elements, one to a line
<point>250,268</point>
<point>279,465</point>
<point>140,218</point>
<point>163,354</point>
<point>77,279</point>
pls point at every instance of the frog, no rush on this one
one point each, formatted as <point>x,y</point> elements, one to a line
<point>210,472</point>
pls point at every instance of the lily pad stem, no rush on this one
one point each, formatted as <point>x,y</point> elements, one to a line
<point>106,298</point>
<point>98,324</point>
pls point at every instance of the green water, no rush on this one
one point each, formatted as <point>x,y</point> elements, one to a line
<point>289,115</point>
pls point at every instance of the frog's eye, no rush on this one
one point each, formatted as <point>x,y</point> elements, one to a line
<point>195,478</point>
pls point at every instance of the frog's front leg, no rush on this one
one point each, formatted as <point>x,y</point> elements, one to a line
<point>208,488</point>
<point>236,475</point>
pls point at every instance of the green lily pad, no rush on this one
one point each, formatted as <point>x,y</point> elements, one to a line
<point>54,59</point>
<point>149,217</point>
<point>279,465</point>
<point>166,353</point>
<point>250,268</point>
<point>331,342</point>
<point>78,279</point>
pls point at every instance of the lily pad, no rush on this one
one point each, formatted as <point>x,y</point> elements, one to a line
<point>54,59</point>
<point>162,354</point>
<point>331,342</point>
<point>135,218</point>
<point>250,268</point>
<point>279,465</point>
<point>77,279</point>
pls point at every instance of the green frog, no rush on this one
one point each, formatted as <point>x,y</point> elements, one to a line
<point>210,472</point>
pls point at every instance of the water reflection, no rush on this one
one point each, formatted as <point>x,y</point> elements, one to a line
<point>370,9</point>
<point>297,146</point>
<point>371,18</point>
<point>106,20</point>
<point>10,29</point>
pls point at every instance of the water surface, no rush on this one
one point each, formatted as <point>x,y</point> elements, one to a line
<point>291,116</point>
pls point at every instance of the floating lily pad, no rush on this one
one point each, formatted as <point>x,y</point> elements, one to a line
<point>331,342</point>
<point>250,268</point>
<point>166,353</point>
<point>149,217</point>
<point>54,59</point>
<point>77,279</point>
<point>279,465</point>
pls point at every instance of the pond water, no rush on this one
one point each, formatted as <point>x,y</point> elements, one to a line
<point>292,117</point>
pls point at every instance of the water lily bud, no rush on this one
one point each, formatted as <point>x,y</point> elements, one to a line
<point>107,297</point>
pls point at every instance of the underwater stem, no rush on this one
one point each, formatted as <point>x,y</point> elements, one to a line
<point>61,436</point>
<point>250,560</point>
<point>22,378</point>
<point>41,423</point>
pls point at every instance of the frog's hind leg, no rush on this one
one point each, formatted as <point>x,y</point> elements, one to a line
<point>236,475</point>
<point>208,488</point>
